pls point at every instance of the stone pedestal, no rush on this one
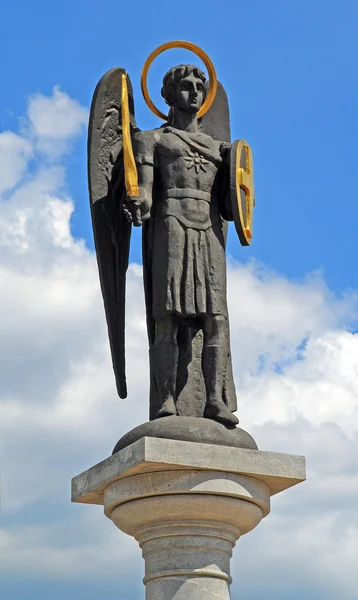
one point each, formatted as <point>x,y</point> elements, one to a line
<point>186,504</point>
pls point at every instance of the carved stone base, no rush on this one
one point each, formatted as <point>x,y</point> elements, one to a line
<point>187,504</point>
<point>189,429</point>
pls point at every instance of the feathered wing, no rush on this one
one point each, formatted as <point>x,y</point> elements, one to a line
<point>107,192</point>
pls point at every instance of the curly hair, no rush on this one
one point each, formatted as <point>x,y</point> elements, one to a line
<point>173,77</point>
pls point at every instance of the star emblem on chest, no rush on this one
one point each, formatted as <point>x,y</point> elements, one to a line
<point>196,160</point>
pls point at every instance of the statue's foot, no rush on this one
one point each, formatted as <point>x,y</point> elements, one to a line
<point>221,413</point>
<point>168,409</point>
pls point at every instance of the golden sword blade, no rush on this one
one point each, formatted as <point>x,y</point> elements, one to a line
<point>130,167</point>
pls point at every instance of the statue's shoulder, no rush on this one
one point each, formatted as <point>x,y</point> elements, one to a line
<point>145,144</point>
<point>149,137</point>
<point>209,140</point>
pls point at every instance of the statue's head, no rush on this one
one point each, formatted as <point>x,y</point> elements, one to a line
<point>184,88</point>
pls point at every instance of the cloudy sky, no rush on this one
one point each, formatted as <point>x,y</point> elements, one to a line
<point>289,69</point>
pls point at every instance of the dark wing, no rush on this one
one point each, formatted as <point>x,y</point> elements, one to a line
<point>216,122</point>
<point>107,194</point>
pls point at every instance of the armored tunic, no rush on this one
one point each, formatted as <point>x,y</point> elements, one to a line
<point>188,248</point>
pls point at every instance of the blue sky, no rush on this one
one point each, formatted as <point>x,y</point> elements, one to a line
<point>289,70</point>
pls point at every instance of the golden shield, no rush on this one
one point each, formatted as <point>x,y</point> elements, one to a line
<point>242,190</point>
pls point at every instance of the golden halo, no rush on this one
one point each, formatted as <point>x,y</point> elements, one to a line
<point>213,82</point>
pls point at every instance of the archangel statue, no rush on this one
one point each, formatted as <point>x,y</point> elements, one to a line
<point>182,183</point>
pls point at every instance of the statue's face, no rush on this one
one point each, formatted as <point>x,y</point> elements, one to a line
<point>189,94</point>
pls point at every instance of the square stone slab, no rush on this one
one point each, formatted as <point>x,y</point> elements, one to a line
<point>278,471</point>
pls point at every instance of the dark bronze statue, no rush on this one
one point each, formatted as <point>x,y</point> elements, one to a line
<point>191,181</point>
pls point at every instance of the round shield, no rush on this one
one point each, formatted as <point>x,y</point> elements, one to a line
<point>242,189</point>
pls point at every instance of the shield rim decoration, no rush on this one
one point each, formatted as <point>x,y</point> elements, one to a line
<point>242,190</point>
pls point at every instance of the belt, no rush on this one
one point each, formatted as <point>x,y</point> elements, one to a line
<point>187,193</point>
<point>191,213</point>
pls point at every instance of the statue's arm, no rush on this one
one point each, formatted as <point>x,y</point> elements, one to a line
<point>145,181</point>
<point>144,148</point>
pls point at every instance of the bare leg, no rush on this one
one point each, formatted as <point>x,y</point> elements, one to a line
<point>214,363</point>
<point>165,364</point>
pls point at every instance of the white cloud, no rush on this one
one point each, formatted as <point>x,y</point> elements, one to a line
<point>57,117</point>
<point>320,386</point>
<point>274,316</point>
<point>15,152</point>
<point>294,360</point>
<point>53,122</point>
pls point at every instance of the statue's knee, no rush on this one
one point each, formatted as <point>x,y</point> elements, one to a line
<point>214,330</point>
<point>165,331</point>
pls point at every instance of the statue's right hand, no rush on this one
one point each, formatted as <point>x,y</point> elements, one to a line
<point>132,212</point>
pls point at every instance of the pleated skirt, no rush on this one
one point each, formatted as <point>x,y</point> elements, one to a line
<point>188,270</point>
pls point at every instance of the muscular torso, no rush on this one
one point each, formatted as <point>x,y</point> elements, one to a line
<point>186,167</point>
<point>181,166</point>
